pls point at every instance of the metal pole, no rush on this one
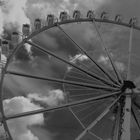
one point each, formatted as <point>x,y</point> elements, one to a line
<point>126,134</point>
<point>81,84</point>
<point>117,123</point>
<point>129,53</point>
<point>108,54</point>
<point>127,117</point>
<point>135,118</point>
<point>83,51</point>
<point>97,119</point>
<point>71,104</point>
<point>94,76</point>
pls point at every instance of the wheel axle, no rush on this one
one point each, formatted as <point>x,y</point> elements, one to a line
<point>127,85</point>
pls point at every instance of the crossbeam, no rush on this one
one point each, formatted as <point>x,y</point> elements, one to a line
<point>136,120</point>
<point>72,104</point>
<point>83,51</point>
<point>108,54</point>
<point>81,84</point>
<point>97,77</point>
<point>97,120</point>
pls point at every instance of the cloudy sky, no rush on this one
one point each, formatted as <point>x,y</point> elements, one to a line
<point>24,94</point>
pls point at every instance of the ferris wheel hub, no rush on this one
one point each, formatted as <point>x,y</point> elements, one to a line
<point>128,85</point>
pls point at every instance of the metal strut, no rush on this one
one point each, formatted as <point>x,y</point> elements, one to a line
<point>136,120</point>
<point>73,65</point>
<point>126,124</point>
<point>83,125</point>
<point>97,120</point>
<point>81,84</point>
<point>108,54</point>
<point>76,117</point>
<point>117,123</point>
<point>83,51</point>
<point>76,103</point>
<point>129,54</point>
<point>126,134</point>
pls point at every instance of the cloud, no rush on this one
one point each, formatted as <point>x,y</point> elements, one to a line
<point>18,12</point>
<point>52,97</point>
<point>75,59</point>
<point>128,8</point>
<point>44,7</point>
<point>19,127</point>
<point>13,13</point>
<point>78,57</point>
<point>105,61</point>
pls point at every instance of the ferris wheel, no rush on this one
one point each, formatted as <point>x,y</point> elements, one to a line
<point>100,96</point>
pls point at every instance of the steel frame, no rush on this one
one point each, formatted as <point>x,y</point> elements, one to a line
<point>69,105</point>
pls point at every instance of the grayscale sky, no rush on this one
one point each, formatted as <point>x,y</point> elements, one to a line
<point>24,94</point>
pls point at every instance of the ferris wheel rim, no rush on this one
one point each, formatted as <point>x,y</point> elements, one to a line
<point>45,28</point>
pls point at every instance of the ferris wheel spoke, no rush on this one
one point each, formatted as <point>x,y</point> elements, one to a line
<point>84,108</point>
<point>89,70</point>
<point>80,77</point>
<point>73,61</point>
<point>77,78</point>
<point>82,95</point>
<point>69,63</point>
<point>99,138</point>
<point>79,89</point>
<point>72,104</point>
<point>77,118</point>
<point>97,120</point>
<point>83,51</point>
<point>82,125</point>
<point>92,112</point>
<point>78,74</point>
<point>108,54</point>
<point>82,64</point>
<point>129,54</point>
<point>135,118</point>
<point>137,105</point>
<point>116,127</point>
<point>81,84</point>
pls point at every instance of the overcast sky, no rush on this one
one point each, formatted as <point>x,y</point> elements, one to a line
<point>24,94</point>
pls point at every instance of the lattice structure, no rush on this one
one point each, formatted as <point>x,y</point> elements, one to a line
<point>121,90</point>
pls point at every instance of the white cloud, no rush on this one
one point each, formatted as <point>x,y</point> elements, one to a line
<point>120,66</point>
<point>44,7</point>
<point>13,12</point>
<point>52,98</point>
<point>78,57</point>
<point>19,127</point>
<point>105,61</point>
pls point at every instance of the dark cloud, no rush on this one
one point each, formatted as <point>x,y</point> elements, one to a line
<point>116,39</point>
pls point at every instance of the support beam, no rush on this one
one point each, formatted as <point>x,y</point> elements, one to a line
<point>83,51</point>
<point>108,54</point>
<point>136,120</point>
<point>81,84</point>
<point>129,54</point>
<point>97,119</point>
<point>137,105</point>
<point>72,104</point>
<point>117,123</point>
<point>126,134</point>
<point>94,76</point>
